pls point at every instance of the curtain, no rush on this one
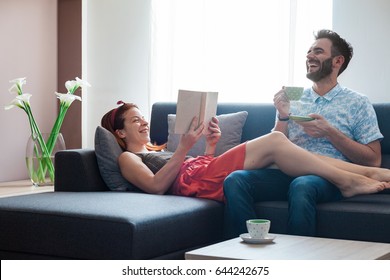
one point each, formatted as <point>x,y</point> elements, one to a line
<point>244,49</point>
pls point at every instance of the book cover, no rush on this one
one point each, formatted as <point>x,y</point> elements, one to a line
<point>194,103</point>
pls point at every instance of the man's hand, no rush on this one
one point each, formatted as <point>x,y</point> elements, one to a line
<point>281,103</point>
<point>317,128</point>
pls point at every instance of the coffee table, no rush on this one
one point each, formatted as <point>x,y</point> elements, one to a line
<point>291,247</point>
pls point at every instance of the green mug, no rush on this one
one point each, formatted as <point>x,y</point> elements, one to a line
<point>293,93</point>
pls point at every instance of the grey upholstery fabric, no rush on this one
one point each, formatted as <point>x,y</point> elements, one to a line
<point>107,225</point>
<point>107,152</point>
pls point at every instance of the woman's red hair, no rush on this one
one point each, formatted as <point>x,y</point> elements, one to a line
<point>114,120</point>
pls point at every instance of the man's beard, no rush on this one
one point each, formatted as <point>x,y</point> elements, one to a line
<point>324,71</point>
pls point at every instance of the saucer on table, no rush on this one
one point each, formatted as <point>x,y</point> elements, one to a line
<point>248,239</point>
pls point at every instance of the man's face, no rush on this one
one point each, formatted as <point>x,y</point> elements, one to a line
<point>319,63</point>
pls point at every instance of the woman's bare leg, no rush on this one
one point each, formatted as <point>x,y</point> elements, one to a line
<point>275,148</point>
<point>377,173</point>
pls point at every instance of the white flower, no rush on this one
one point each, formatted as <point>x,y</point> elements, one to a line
<point>17,85</point>
<point>14,103</point>
<point>19,101</point>
<point>82,83</point>
<point>25,97</point>
<point>21,81</point>
<point>73,85</point>
<point>67,98</point>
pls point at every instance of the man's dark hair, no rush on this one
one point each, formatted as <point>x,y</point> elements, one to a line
<point>339,46</point>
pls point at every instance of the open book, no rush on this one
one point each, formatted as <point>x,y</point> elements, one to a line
<point>194,103</point>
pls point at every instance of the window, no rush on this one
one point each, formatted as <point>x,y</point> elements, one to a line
<point>244,49</point>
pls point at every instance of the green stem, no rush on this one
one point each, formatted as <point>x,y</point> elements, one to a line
<point>56,128</point>
<point>45,162</point>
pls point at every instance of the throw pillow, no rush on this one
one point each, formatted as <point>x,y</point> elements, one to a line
<point>231,128</point>
<point>107,152</point>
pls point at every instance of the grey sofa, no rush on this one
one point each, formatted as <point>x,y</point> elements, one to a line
<point>83,219</point>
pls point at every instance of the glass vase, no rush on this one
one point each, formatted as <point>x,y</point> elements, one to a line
<point>40,161</point>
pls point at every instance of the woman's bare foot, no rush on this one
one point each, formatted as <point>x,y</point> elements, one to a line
<point>379,174</point>
<point>362,185</point>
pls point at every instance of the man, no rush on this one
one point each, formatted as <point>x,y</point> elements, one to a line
<point>344,127</point>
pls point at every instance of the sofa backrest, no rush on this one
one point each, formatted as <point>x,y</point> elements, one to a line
<point>260,121</point>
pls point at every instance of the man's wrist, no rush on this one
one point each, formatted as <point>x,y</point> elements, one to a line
<point>284,118</point>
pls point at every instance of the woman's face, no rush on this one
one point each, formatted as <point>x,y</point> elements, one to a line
<point>136,128</point>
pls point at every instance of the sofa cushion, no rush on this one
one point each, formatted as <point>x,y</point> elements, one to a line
<point>339,219</point>
<point>107,152</point>
<point>107,225</point>
<point>231,127</point>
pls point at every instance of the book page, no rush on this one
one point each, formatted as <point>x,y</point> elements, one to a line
<point>210,108</point>
<point>191,104</point>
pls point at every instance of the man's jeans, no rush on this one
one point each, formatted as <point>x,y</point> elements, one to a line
<point>244,188</point>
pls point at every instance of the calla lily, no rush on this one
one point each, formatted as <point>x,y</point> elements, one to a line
<point>67,98</point>
<point>73,85</point>
<point>15,103</point>
<point>17,85</point>
<point>14,89</point>
<point>21,81</point>
<point>82,83</point>
<point>24,97</point>
<point>20,101</point>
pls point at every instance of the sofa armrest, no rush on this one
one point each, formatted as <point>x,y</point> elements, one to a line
<point>77,170</point>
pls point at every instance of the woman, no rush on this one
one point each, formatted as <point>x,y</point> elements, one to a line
<point>174,173</point>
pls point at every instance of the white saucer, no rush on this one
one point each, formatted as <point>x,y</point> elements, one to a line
<point>248,239</point>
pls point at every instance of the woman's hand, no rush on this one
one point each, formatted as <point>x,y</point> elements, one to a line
<point>212,136</point>
<point>193,134</point>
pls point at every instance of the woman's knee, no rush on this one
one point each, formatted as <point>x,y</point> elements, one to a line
<point>278,137</point>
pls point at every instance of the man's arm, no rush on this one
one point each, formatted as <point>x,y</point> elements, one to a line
<point>281,126</point>
<point>369,154</point>
<point>282,106</point>
<point>364,154</point>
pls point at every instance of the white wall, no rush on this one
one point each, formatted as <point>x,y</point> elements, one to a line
<point>28,32</point>
<point>116,52</point>
<point>366,24</point>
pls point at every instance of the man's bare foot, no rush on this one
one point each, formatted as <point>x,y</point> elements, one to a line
<point>363,185</point>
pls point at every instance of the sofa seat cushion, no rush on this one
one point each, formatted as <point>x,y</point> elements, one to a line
<point>107,225</point>
<point>363,217</point>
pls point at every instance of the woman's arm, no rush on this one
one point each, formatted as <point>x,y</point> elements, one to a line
<point>137,173</point>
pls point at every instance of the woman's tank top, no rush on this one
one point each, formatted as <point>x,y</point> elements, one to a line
<point>156,160</point>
